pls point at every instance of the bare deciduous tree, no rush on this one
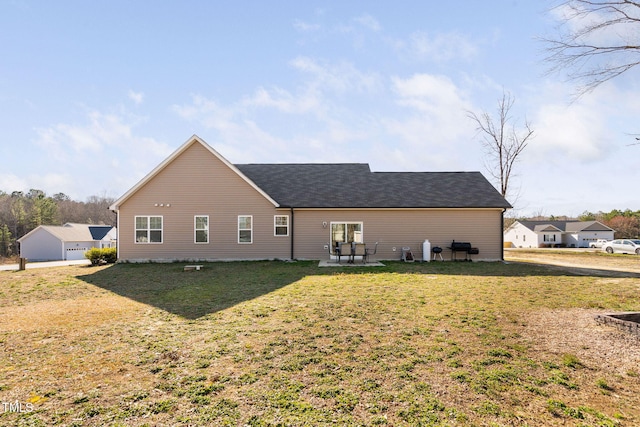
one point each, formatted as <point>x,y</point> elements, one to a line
<point>502,141</point>
<point>598,40</point>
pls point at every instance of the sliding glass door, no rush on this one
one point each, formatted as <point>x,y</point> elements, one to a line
<point>346,232</point>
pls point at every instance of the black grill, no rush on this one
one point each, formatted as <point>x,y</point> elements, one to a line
<point>460,246</point>
<point>463,247</point>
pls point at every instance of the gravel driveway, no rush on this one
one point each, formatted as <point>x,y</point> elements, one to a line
<point>9,267</point>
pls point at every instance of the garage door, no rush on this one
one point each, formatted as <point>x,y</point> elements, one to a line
<point>76,253</point>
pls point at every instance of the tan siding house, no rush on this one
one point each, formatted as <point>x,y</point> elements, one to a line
<point>197,206</point>
<point>394,229</point>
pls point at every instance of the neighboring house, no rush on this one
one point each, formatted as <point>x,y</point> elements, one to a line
<point>66,242</point>
<point>196,205</point>
<point>573,234</point>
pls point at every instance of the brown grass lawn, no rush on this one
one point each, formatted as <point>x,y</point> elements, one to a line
<point>274,343</point>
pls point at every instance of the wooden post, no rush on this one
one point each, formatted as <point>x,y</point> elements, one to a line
<point>23,264</point>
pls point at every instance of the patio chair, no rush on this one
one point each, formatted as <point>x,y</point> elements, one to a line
<point>345,249</point>
<point>359,249</point>
<point>369,251</point>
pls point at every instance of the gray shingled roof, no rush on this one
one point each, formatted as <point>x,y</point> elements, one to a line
<point>353,185</point>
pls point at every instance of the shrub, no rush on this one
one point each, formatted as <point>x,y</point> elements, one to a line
<point>99,256</point>
<point>110,255</point>
<point>94,255</point>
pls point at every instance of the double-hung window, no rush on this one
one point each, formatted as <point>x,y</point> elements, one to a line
<point>148,229</point>
<point>201,228</point>
<point>281,225</point>
<point>245,229</point>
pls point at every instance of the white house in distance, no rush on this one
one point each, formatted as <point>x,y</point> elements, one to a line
<point>66,242</point>
<point>572,234</point>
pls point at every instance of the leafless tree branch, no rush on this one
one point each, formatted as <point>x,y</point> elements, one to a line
<point>502,141</point>
<point>598,40</point>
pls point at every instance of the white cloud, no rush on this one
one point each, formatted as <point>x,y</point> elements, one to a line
<point>340,77</point>
<point>585,130</point>
<point>566,168</point>
<point>102,130</point>
<point>237,131</point>
<point>575,131</point>
<point>305,27</point>
<point>103,153</point>
<point>436,129</point>
<point>369,22</point>
<point>311,98</point>
<point>441,47</point>
<point>206,111</point>
<point>136,97</point>
<point>49,182</point>
<point>10,182</point>
<point>357,29</point>
<point>430,93</point>
<point>247,142</point>
<point>425,128</point>
<point>283,100</point>
<point>249,125</point>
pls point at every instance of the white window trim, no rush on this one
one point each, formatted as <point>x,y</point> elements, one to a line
<point>361,223</point>
<point>245,229</point>
<point>276,225</point>
<point>135,229</point>
<point>195,229</point>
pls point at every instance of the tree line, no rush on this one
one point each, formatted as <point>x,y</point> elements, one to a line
<point>22,212</point>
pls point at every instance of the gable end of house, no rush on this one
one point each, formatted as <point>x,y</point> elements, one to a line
<point>184,147</point>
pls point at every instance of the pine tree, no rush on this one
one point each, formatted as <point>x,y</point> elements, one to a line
<point>5,241</point>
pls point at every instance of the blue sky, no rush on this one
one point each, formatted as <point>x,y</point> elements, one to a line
<point>93,95</point>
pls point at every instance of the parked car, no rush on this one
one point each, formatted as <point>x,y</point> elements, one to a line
<point>622,246</point>
<point>598,243</point>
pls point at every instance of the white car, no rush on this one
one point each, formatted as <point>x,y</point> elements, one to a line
<point>598,243</point>
<point>622,246</point>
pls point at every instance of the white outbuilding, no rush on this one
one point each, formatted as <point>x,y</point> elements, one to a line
<point>66,242</point>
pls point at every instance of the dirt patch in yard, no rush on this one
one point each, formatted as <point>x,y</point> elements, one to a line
<point>576,332</point>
